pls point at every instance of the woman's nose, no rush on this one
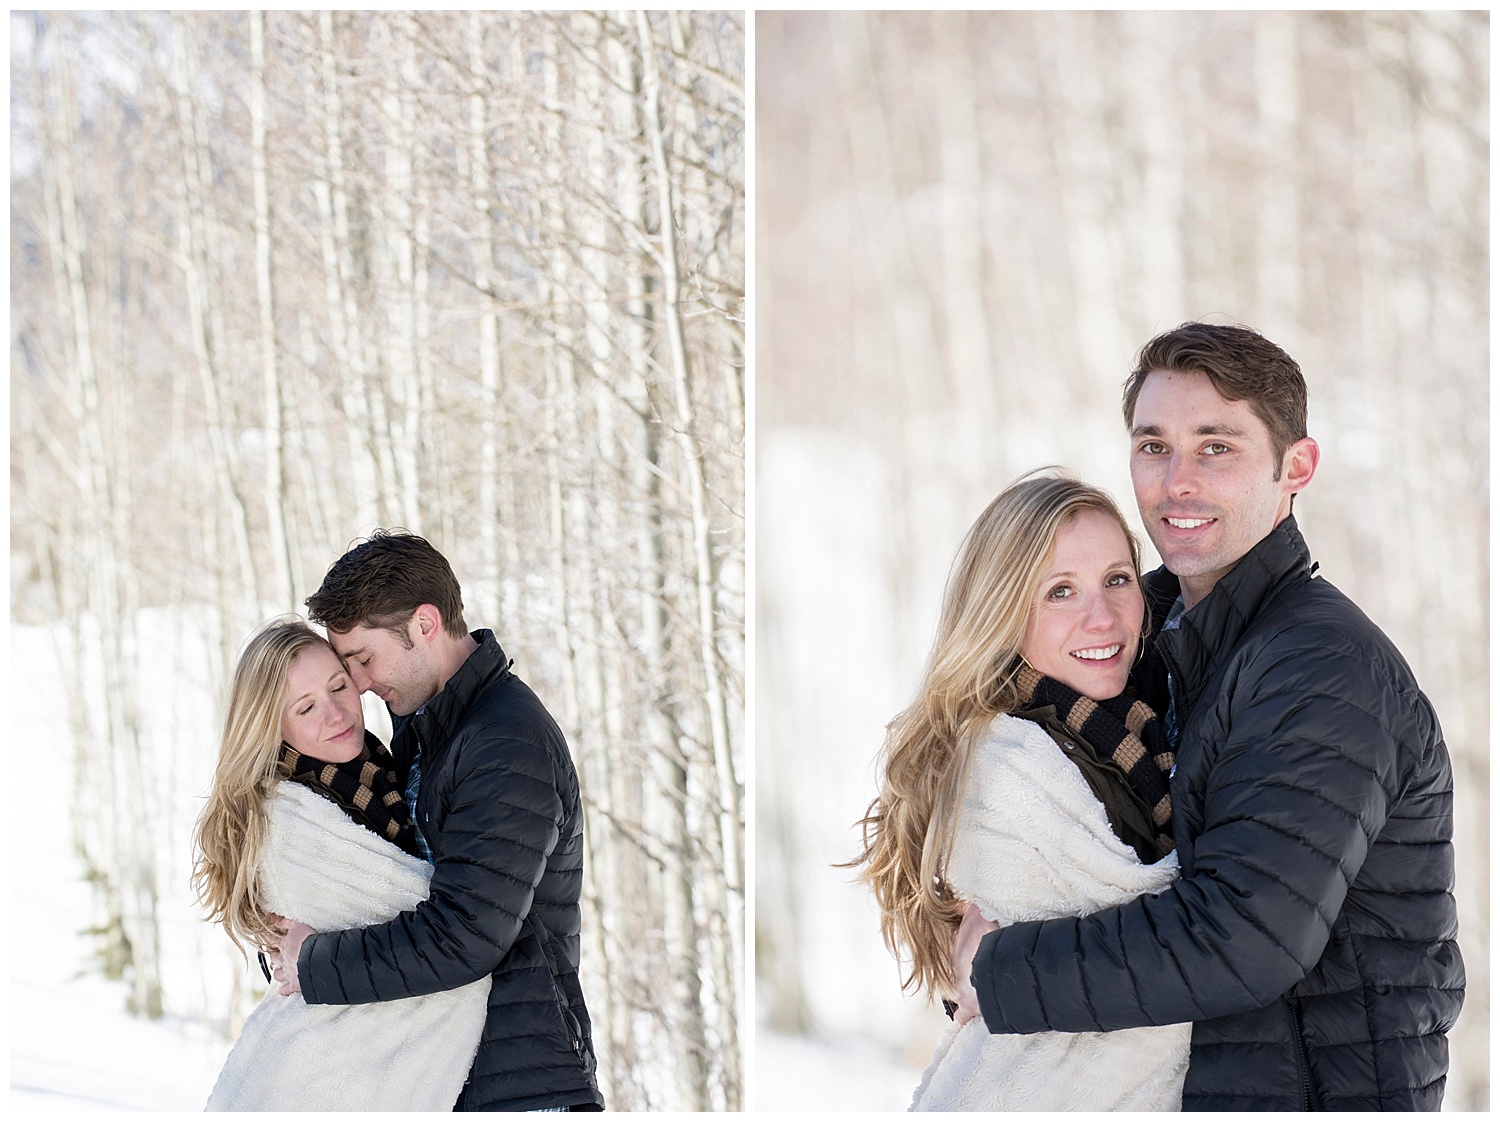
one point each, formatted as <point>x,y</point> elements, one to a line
<point>1099,614</point>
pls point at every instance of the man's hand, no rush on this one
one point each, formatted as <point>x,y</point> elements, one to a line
<point>283,958</point>
<point>971,930</point>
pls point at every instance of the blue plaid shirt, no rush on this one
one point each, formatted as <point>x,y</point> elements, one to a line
<point>413,785</point>
<point>1173,621</point>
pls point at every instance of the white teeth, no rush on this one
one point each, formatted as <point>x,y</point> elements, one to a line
<point>1188,523</point>
<point>1097,654</point>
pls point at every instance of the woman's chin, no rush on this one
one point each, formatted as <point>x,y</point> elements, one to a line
<point>1099,685</point>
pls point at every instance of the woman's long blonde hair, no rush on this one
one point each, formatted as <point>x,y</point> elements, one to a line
<point>970,677</point>
<point>232,828</point>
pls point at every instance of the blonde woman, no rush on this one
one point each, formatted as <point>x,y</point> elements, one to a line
<point>1023,782</point>
<point>306,821</point>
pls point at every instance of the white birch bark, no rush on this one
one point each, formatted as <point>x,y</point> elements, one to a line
<point>1278,227</point>
<point>275,481</point>
<point>345,326</point>
<point>729,966</point>
<point>202,317</point>
<point>128,860</point>
<point>1091,235</point>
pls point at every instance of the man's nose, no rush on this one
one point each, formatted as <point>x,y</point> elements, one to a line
<point>1181,475</point>
<point>358,677</point>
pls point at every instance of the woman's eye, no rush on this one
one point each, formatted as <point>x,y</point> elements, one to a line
<point>1118,580</point>
<point>1061,592</point>
<point>304,712</point>
<point>341,689</point>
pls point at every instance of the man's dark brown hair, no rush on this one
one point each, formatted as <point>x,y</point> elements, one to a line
<point>382,581</point>
<point>1242,365</point>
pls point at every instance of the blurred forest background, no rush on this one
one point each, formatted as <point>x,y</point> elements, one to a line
<point>278,279</point>
<point>966,226</point>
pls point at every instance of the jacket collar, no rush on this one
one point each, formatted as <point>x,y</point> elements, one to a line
<point>1208,632</point>
<point>440,716</point>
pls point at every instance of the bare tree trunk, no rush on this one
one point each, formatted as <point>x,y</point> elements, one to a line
<point>1154,37</point>
<point>1088,202</point>
<point>728,966</point>
<point>397,218</point>
<point>1278,234</point>
<point>969,351</point>
<point>489,335</point>
<point>193,256</point>
<point>275,484</point>
<point>343,308</point>
<point>128,862</point>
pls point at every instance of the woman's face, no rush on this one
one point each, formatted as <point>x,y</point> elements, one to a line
<point>320,716</point>
<point>1085,621</point>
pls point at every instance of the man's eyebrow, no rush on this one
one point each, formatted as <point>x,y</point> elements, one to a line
<point>351,653</point>
<point>1211,428</point>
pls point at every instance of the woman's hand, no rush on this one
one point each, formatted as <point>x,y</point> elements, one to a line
<point>283,957</point>
<point>971,929</point>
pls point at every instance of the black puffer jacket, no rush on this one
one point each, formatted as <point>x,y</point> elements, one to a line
<point>1312,935</point>
<point>499,805</point>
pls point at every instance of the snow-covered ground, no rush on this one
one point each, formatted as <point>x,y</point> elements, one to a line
<point>72,1045</point>
<point>801,1074</point>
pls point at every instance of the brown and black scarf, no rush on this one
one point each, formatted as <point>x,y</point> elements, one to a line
<point>1122,729</point>
<point>365,788</point>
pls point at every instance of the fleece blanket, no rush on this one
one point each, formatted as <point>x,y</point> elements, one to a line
<point>1033,843</point>
<point>322,868</point>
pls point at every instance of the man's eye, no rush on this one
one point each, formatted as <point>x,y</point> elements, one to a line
<point>1153,448</point>
<point>1216,449</point>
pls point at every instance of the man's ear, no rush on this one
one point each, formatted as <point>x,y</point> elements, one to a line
<point>1298,465</point>
<point>429,621</point>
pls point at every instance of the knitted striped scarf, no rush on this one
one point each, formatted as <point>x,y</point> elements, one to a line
<point>1122,729</point>
<point>365,788</point>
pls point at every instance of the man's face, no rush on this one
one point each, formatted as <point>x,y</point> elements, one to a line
<point>1204,477</point>
<point>405,678</point>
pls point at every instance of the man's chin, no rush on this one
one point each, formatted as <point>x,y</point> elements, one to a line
<point>1184,564</point>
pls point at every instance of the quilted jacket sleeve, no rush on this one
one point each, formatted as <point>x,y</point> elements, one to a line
<point>1309,759</point>
<point>491,847</point>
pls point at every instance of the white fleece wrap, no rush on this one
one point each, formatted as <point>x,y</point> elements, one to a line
<point>322,868</point>
<point>1034,843</point>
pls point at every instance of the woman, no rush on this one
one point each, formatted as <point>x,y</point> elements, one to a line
<point>1022,781</point>
<point>306,820</point>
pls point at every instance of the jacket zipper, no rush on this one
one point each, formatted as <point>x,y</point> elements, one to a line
<point>1303,1063</point>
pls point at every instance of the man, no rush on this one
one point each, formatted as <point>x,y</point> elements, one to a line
<point>1311,935</point>
<point>494,797</point>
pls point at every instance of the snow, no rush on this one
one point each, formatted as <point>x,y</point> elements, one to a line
<point>803,1074</point>
<point>73,1046</point>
